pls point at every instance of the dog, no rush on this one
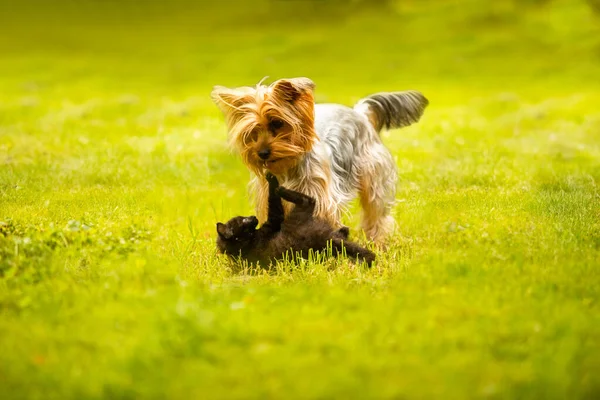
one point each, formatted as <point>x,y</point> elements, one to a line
<point>327,151</point>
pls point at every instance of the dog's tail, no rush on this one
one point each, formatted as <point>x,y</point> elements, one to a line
<point>392,110</point>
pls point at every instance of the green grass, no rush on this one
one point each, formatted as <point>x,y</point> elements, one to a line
<point>114,170</point>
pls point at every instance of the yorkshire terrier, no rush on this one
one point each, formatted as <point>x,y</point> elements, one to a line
<point>327,151</point>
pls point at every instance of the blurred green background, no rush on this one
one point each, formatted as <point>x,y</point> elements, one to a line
<point>114,169</point>
<point>184,47</point>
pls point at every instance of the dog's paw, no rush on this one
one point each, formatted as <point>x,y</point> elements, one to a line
<point>279,190</point>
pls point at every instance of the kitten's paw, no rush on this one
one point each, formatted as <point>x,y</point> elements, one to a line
<point>272,180</point>
<point>343,232</point>
<point>279,190</point>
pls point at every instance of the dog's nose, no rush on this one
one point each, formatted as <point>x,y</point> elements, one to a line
<point>264,153</point>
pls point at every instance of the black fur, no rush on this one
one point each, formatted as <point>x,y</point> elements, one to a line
<point>295,236</point>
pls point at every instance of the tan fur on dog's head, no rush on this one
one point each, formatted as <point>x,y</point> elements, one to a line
<point>271,126</point>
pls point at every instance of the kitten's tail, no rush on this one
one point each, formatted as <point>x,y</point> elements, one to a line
<point>392,110</point>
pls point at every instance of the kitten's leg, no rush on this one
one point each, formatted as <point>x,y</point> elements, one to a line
<point>353,250</point>
<point>342,233</point>
<point>302,201</point>
<point>275,214</point>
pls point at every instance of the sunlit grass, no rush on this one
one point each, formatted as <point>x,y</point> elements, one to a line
<point>114,170</point>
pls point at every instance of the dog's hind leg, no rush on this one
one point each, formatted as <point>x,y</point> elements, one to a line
<point>377,192</point>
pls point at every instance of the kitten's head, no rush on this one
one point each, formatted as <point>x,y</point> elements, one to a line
<point>236,235</point>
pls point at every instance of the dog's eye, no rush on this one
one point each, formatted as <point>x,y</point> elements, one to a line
<point>253,136</point>
<point>275,125</point>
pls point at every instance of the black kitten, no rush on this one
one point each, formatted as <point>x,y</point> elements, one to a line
<point>296,235</point>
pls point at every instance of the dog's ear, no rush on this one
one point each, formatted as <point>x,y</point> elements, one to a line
<point>229,100</point>
<point>223,231</point>
<point>292,89</point>
<point>294,97</point>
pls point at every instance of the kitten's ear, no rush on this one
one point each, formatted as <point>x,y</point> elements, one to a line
<point>223,231</point>
<point>252,222</point>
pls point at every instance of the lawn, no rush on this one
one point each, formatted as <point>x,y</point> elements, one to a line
<point>114,170</point>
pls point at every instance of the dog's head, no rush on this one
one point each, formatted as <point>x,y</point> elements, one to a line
<point>271,126</point>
